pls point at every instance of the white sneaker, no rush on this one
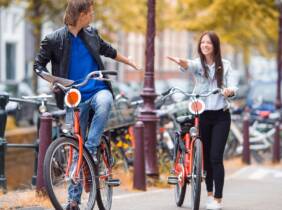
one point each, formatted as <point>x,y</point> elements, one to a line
<point>214,205</point>
<point>209,200</point>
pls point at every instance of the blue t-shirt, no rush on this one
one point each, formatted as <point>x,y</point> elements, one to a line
<point>82,63</point>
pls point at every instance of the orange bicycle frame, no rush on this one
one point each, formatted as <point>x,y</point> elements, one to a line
<point>77,134</point>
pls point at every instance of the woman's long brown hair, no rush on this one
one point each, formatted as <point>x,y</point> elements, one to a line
<point>216,56</point>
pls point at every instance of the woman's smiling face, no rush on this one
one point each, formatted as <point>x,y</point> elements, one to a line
<point>206,46</point>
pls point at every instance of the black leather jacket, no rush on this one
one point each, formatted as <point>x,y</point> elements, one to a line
<point>55,47</point>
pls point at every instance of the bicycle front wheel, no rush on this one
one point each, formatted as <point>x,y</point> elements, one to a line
<point>61,158</point>
<point>196,176</point>
<point>104,189</point>
<point>180,187</point>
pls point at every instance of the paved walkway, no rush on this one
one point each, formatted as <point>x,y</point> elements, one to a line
<point>250,188</point>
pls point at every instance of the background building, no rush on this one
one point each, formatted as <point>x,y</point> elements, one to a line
<point>16,44</point>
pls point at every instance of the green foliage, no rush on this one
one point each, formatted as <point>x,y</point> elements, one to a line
<point>241,23</point>
<point>4,3</point>
<point>110,16</point>
<point>131,15</point>
<point>127,15</point>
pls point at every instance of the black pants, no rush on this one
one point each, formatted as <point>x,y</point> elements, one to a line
<point>214,129</point>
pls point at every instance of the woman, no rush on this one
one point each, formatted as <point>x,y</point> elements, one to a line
<point>211,71</point>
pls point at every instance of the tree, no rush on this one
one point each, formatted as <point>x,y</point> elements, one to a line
<point>246,25</point>
<point>130,15</point>
<point>110,16</point>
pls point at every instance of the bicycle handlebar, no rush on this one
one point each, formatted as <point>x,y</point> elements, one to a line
<point>30,101</point>
<point>39,97</point>
<point>66,84</point>
<point>174,90</point>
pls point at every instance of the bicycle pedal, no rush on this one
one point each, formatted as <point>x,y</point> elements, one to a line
<point>113,182</point>
<point>172,180</point>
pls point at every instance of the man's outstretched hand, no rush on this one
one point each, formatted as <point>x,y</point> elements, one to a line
<point>133,64</point>
<point>127,61</point>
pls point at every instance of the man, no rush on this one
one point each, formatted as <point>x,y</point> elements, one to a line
<point>74,50</point>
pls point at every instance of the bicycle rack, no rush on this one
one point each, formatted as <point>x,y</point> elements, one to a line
<point>4,99</point>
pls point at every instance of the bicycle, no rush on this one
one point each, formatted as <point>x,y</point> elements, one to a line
<point>124,143</point>
<point>123,119</point>
<point>188,161</point>
<point>261,134</point>
<point>68,161</point>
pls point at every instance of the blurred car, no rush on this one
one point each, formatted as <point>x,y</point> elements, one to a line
<point>24,112</point>
<point>262,95</point>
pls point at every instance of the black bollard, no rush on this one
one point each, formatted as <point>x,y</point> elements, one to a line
<point>4,99</point>
<point>276,145</point>
<point>45,138</point>
<point>246,143</point>
<point>139,177</point>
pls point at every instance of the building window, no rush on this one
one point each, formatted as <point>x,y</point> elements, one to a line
<point>11,61</point>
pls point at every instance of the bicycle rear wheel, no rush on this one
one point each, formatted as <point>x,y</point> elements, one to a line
<point>62,156</point>
<point>196,176</point>
<point>104,189</point>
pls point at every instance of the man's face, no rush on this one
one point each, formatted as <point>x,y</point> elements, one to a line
<point>86,18</point>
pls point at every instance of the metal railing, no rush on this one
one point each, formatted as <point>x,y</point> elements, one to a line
<point>4,145</point>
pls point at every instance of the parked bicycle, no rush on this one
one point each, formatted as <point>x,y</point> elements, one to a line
<point>261,134</point>
<point>68,162</point>
<point>124,141</point>
<point>43,104</point>
<point>188,150</point>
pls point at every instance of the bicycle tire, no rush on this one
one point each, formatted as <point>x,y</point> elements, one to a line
<point>180,188</point>
<point>55,177</point>
<point>104,190</point>
<point>196,175</point>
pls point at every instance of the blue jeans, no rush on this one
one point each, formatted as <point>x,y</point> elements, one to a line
<point>101,103</point>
